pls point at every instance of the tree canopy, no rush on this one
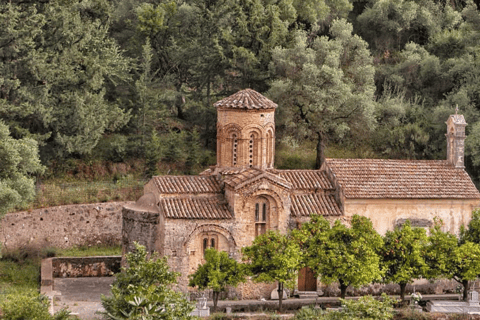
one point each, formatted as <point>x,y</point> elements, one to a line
<point>20,161</point>
<point>325,88</point>
<point>274,257</point>
<point>403,255</point>
<point>217,273</point>
<point>339,253</point>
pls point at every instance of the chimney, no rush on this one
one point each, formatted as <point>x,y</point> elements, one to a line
<point>455,139</point>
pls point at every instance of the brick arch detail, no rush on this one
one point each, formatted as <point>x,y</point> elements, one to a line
<point>255,129</point>
<point>229,129</point>
<point>267,193</point>
<point>211,228</point>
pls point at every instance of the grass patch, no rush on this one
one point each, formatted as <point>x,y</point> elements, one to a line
<point>55,193</point>
<point>85,251</point>
<point>16,276</point>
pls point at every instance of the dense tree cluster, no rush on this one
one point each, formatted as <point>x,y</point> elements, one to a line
<point>120,79</point>
<point>353,255</point>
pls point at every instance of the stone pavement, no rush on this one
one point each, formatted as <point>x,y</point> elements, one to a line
<point>81,295</point>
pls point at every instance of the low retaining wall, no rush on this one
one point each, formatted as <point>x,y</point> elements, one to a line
<point>74,267</point>
<point>85,267</point>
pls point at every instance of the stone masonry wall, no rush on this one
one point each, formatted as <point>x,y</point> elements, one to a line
<point>63,226</point>
<point>66,267</point>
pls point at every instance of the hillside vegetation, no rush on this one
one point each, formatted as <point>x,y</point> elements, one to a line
<point>116,90</point>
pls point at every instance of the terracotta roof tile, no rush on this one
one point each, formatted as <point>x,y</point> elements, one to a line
<point>195,208</point>
<point>415,179</point>
<point>306,179</point>
<point>239,180</point>
<point>246,99</point>
<point>307,204</point>
<point>187,184</point>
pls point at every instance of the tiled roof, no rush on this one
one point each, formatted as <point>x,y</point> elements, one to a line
<point>187,184</point>
<point>307,204</point>
<point>415,179</point>
<point>245,177</point>
<point>195,208</point>
<point>246,99</point>
<point>306,179</point>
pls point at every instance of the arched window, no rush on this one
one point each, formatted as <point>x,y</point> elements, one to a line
<point>234,149</point>
<point>209,241</point>
<point>270,151</point>
<point>250,150</point>
<point>261,216</point>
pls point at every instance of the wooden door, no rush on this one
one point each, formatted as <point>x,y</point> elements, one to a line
<point>307,280</point>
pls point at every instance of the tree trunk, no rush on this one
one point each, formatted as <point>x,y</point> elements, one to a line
<point>403,285</point>
<point>179,101</point>
<point>215,300</point>
<point>280,296</point>
<point>320,151</point>
<point>343,289</point>
<point>466,287</point>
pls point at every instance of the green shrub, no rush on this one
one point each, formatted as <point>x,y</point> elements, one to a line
<point>143,291</point>
<point>368,307</point>
<point>28,305</point>
<point>365,308</point>
<point>309,313</point>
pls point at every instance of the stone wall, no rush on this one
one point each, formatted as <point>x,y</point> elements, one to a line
<point>63,226</point>
<point>387,213</point>
<point>74,267</point>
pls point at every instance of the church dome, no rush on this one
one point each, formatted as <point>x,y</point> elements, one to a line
<point>246,99</point>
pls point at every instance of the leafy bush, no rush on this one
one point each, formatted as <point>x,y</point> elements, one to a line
<point>28,305</point>
<point>365,308</point>
<point>368,307</point>
<point>144,290</point>
<point>309,313</point>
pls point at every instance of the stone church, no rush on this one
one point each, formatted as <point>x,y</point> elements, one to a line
<point>228,205</point>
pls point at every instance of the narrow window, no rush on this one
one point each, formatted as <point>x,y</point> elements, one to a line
<point>212,243</point>
<point>261,217</point>
<point>205,245</point>
<point>234,149</point>
<point>250,151</point>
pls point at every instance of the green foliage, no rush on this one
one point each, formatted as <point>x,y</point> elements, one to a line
<point>324,88</point>
<point>389,25</point>
<point>21,275</point>
<point>309,313</point>
<point>274,257</point>
<point>194,152</point>
<point>174,150</point>
<point>88,251</point>
<point>448,257</point>
<point>472,233</point>
<point>402,130</point>
<point>57,61</point>
<point>217,273</point>
<point>338,253</point>
<point>153,154</point>
<point>144,290</point>
<point>54,193</point>
<point>28,305</point>
<point>19,159</point>
<point>366,307</point>
<point>403,255</point>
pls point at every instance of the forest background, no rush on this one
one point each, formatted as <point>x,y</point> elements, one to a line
<point>106,89</point>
